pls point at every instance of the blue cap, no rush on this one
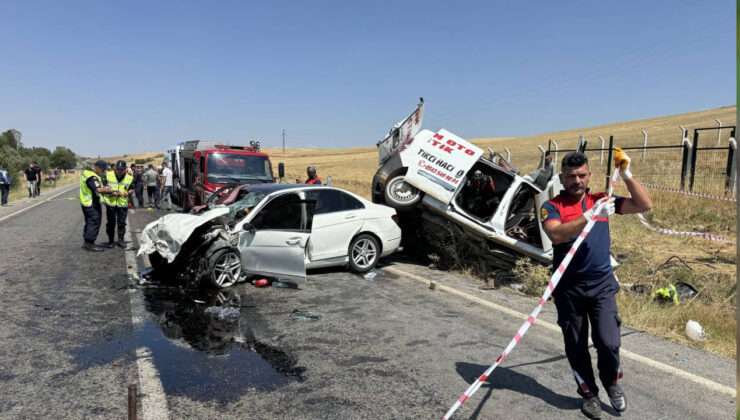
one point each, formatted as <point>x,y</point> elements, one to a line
<point>101,164</point>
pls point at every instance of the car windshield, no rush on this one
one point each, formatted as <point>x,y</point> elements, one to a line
<point>244,203</point>
<point>236,168</point>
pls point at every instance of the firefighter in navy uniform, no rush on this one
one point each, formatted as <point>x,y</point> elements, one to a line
<point>313,179</point>
<point>90,189</point>
<point>121,184</point>
<point>587,290</point>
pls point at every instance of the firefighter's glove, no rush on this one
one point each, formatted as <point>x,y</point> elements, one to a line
<point>601,211</point>
<point>622,161</point>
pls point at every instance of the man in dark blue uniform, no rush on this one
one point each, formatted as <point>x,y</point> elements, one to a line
<point>586,292</point>
<point>90,189</point>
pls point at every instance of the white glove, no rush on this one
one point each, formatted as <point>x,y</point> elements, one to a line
<point>622,161</point>
<point>605,211</point>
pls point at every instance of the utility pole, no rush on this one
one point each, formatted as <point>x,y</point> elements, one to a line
<point>283,141</point>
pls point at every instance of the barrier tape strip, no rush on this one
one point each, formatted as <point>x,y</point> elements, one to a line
<point>691,193</point>
<point>554,280</point>
<point>707,236</point>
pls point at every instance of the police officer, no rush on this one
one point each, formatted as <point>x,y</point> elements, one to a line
<point>121,184</point>
<point>586,292</point>
<point>90,189</point>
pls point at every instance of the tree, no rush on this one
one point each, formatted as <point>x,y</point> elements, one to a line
<point>63,158</point>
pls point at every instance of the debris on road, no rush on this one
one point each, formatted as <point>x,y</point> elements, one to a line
<point>305,315</point>
<point>261,283</point>
<point>224,314</point>
<point>370,275</point>
<point>284,285</point>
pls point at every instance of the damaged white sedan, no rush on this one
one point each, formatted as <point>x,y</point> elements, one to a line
<point>273,230</point>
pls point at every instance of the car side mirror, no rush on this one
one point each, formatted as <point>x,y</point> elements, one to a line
<point>281,170</point>
<point>248,227</point>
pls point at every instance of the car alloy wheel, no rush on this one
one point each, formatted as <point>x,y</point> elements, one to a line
<point>363,253</point>
<point>226,269</point>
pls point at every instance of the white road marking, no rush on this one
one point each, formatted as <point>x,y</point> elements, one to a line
<point>153,398</point>
<point>39,203</point>
<point>708,383</point>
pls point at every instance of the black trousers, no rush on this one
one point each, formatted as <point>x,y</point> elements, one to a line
<point>115,217</point>
<point>577,306</point>
<point>139,190</point>
<point>93,216</point>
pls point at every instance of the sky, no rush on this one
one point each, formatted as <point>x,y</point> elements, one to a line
<point>113,77</point>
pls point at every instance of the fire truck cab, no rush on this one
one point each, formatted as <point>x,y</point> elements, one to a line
<point>202,167</point>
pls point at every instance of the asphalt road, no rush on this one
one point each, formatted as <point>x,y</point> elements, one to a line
<point>77,329</point>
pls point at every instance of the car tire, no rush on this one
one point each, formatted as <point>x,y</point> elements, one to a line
<point>401,195</point>
<point>364,253</point>
<point>224,268</point>
<point>157,261</point>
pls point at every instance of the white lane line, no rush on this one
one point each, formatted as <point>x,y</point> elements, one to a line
<point>153,399</point>
<point>708,383</point>
<point>39,203</point>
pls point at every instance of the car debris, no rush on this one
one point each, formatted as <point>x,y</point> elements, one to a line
<point>271,230</point>
<point>224,314</point>
<point>467,206</point>
<point>305,315</point>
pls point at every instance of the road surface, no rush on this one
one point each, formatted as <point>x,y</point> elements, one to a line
<point>77,329</point>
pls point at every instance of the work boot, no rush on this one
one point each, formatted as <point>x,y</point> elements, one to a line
<point>111,244</point>
<point>617,398</point>
<point>591,407</point>
<point>87,246</point>
<point>121,243</point>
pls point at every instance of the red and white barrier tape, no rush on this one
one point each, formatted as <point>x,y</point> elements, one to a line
<point>691,193</point>
<point>707,236</point>
<point>554,280</point>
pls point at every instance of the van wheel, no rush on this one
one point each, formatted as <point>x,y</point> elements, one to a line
<point>364,253</point>
<point>224,268</point>
<point>401,195</point>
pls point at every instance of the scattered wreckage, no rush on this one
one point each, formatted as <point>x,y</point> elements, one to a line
<point>467,206</point>
<point>273,230</point>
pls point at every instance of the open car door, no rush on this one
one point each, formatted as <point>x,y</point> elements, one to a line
<point>273,244</point>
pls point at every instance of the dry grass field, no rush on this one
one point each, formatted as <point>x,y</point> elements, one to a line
<point>711,266</point>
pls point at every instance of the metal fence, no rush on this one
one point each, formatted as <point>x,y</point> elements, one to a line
<point>689,165</point>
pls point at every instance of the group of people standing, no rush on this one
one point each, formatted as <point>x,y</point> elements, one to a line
<point>33,180</point>
<point>114,189</point>
<point>156,182</point>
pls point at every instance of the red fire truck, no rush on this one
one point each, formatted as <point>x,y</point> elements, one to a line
<point>202,167</point>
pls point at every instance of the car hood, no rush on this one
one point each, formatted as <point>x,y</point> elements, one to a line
<point>167,234</point>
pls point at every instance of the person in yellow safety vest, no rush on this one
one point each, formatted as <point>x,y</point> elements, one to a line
<point>90,189</point>
<point>121,184</point>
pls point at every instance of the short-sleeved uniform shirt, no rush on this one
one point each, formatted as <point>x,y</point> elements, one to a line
<point>591,264</point>
<point>94,183</point>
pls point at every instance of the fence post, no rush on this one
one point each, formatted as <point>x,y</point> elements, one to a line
<point>644,143</point>
<point>542,158</point>
<point>685,159</point>
<point>730,172</point>
<point>719,131</point>
<point>693,159</point>
<point>601,160</point>
<point>609,162</point>
<point>556,150</point>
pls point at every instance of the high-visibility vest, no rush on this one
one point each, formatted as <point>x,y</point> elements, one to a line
<point>86,194</point>
<point>117,186</point>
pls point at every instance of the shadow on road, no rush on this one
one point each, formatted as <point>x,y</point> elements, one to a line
<point>506,378</point>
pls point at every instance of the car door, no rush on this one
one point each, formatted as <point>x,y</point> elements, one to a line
<point>336,220</point>
<point>274,242</point>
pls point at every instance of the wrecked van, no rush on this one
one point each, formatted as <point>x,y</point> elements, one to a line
<point>273,230</point>
<point>451,195</point>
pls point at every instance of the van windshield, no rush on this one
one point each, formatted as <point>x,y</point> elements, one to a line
<point>224,168</point>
